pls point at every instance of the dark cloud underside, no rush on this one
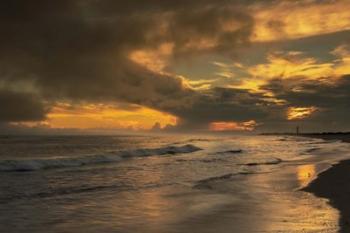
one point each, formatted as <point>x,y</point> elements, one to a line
<point>20,107</point>
<point>79,51</point>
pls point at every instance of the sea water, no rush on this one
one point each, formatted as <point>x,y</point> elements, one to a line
<point>161,184</point>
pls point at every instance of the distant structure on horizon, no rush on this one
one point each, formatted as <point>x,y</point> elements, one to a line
<point>297,130</point>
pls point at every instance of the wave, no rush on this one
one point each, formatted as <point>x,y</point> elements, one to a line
<point>312,150</point>
<point>213,160</point>
<point>269,162</point>
<point>189,148</point>
<point>325,141</point>
<point>282,139</point>
<point>237,151</point>
<point>78,190</point>
<point>58,192</point>
<point>39,164</point>
<point>194,140</point>
<point>205,183</point>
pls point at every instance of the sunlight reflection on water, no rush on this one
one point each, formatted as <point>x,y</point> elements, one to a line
<point>305,173</point>
<point>212,190</point>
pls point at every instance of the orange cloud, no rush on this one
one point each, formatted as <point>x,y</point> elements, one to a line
<point>232,126</point>
<point>101,116</point>
<point>298,113</point>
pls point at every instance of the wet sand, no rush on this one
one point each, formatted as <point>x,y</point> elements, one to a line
<point>334,184</point>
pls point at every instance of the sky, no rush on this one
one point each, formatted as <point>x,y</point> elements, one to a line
<point>175,66</point>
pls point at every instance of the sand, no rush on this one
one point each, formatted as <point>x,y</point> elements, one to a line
<point>334,184</point>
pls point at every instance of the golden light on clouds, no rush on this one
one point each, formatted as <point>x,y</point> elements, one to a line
<point>296,64</point>
<point>155,60</point>
<point>298,113</point>
<point>203,43</point>
<point>94,116</point>
<point>297,19</point>
<point>342,52</point>
<point>198,85</point>
<point>232,126</point>
<point>289,65</point>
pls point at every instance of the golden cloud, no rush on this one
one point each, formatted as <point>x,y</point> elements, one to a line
<point>298,113</point>
<point>155,60</point>
<point>102,116</point>
<point>291,64</point>
<point>298,19</point>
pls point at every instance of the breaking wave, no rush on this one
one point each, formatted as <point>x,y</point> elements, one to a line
<point>39,164</point>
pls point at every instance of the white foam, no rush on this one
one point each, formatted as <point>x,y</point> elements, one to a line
<point>38,164</point>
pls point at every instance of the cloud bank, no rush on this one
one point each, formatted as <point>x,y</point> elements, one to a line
<point>117,52</point>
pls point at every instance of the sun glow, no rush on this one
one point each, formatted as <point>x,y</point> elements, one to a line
<point>232,126</point>
<point>101,116</point>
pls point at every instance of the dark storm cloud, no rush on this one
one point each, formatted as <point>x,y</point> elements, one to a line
<point>20,107</point>
<point>331,99</point>
<point>224,104</point>
<point>301,92</point>
<point>78,50</point>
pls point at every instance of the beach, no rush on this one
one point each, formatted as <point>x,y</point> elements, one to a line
<point>167,116</point>
<point>334,184</point>
<point>158,184</point>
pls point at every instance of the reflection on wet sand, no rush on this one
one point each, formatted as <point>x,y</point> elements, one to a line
<point>286,209</point>
<point>305,173</point>
<point>269,198</point>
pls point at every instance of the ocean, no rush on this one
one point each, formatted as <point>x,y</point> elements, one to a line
<point>161,184</point>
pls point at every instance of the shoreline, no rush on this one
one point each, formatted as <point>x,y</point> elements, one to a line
<point>334,185</point>
<point>344,137</point>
